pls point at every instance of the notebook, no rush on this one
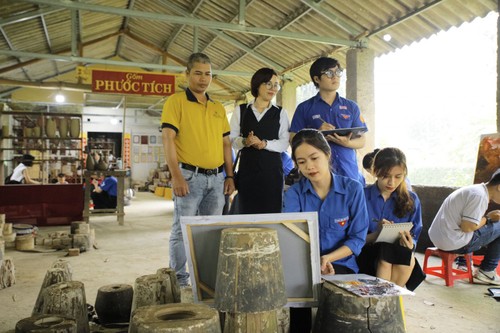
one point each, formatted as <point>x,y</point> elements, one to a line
<point>356,131</point>
<point>390,232</point>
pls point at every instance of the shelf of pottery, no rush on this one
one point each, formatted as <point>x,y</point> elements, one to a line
<point>53,139</point>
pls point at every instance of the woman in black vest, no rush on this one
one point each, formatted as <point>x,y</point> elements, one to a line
<point>260,130</point>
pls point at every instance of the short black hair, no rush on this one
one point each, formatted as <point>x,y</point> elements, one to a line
<point>28,159</point>
<point>262,75</point>
<point>320,65</point>
<point>60,175</point>
<point>197,57</point>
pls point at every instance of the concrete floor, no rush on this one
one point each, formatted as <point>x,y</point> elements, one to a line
<point>140,247</point>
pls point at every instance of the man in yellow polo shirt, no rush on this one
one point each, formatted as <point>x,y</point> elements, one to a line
<point>195,133</point>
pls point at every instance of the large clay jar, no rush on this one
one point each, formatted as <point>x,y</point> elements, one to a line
<point>63,128</point>
<point>102,164</point>
<point>36,131</point>
<point>27,132</point>
<point>50,128</point>
<point>74,128</point>
<point>90,163</point>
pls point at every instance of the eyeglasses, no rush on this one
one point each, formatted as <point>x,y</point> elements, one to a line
<point>333,72</point>
<point>269,85</point>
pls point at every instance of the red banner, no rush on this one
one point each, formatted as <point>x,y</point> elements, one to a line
<point>132,83</point>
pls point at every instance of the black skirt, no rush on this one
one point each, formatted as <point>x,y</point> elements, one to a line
<point>391,253</point>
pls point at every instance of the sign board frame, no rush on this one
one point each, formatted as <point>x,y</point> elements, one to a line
<point>298,237</point>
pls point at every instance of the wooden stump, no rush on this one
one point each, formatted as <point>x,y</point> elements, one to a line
<point>2,250</point>
<point>172,292</point>
<point>113,303</point>
<point>75,226</point>
<point>262,322</point>
<point>7,273</point>
<point>67,299</point>
<point>175,318</point>
<point>155,289</point>
<point>53,276</point>
<point>46,323</point>
<point>341,311</point>
<point>249,272</point>
<point>65,265</point>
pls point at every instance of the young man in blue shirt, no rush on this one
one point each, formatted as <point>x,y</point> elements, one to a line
<point>328,111</point>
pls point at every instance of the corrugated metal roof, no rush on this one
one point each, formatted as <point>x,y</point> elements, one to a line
<point>286,35</point>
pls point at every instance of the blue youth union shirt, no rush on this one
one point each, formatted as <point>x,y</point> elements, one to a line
<point>379,209</point>
<point>343,113</point>
<point>343,218</point>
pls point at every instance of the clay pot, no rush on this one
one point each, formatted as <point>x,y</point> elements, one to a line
<point>74,128</point>
<point>63,128</point>
<point>50,128</point>
<point>102,164</point>
<point>37,131</point>
<point>114,303</point>
<point>27,132</point>
<point>90,163</point>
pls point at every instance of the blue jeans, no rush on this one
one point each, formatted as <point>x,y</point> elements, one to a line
<point>488,235</point>
<point>206,197</point>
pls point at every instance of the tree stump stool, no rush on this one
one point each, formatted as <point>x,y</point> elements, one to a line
<point>155,289</point>
<point>67,299</point>
<point>341,311</point>
<point>113,303</point>
<point>53,276</point>
<point>65,265</point>
<point>7,273</point>
<point>175,318</point>
<point>46,323</point>
<point>172,292</point>
<point>250,285</point>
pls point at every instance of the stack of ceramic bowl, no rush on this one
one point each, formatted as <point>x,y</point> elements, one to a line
<point>24,237</point>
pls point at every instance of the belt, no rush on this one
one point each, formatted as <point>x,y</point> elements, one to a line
<point>208,172</point>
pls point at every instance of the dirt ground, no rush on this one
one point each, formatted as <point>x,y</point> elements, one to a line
<point>140,247</point>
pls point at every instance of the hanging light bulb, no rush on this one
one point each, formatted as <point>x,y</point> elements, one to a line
<point>60,98</point>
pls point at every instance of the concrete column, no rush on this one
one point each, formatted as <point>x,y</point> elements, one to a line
<point>287,97</point>
<point>360,88</point>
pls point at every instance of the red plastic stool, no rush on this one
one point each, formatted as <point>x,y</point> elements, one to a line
<point>477,261</point>
<point>446,270</point>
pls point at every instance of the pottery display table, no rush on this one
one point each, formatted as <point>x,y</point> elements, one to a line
<point>118,211</point>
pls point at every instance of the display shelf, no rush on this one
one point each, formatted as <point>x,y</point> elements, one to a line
<point>54,139</point>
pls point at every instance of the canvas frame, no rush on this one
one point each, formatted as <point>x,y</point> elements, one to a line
<point>298,237</point>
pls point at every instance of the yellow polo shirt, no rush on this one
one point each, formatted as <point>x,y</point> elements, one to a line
<point>199,129</point>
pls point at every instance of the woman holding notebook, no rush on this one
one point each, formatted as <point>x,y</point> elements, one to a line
<point>339,201</point>
<point>389,202</point>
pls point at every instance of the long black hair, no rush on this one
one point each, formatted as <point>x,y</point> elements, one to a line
<point>384,161</point>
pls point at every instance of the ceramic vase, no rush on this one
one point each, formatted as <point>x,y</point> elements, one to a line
<point>37,131</point>
<point>74,128</point>
<point>90,163</point>
<point>27,132</point>
<point>63,128</point>
<point>50,128</point>
<point>102,165</point>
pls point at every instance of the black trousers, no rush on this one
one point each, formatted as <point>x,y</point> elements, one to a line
<point>301,318</point>
<point>103,200</point>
